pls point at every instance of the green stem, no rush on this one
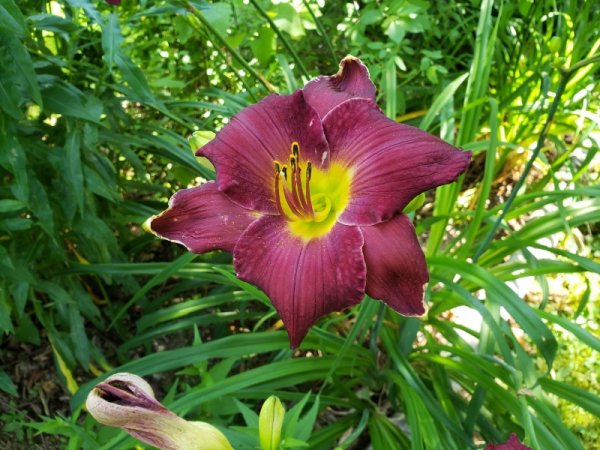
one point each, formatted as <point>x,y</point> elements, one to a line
<point>284,40</point>
<point>236,55</point>
<point>322,32</point>
<point>565,73</point>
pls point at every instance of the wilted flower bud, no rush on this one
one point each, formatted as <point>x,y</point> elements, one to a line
<point>126,401</point>
<point>270,422</point>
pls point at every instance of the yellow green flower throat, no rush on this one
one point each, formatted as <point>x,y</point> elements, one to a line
<point>312,203</point>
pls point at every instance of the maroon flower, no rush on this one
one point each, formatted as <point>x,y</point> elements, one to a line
<point>113,2</point>
<point>513,443</point>
<point>309,195</point>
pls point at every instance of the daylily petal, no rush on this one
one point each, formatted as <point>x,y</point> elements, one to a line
<point>352,80</point>
<point>305,279</point>
<point>202,219</point>
<point>396,268</point>
<point>244,151</point>
<point>391,162</point>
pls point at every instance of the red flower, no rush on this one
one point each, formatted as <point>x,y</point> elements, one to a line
<point>309,195</point>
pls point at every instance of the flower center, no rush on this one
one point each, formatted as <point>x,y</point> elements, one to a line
<point>309,198</point>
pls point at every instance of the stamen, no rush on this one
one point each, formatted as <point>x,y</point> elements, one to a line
<point>292,202</point>
<point>278,196</point>
<point>293,180</point>
<point>294,199</point>
<point>298,184</point>
<point>309,207</point>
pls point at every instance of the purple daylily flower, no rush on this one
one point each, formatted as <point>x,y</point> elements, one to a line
<point>309,194</point>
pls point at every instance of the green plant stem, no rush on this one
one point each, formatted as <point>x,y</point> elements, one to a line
<point>229,48</point>
<point>321,32</point>
<point>284,40</point>
<point>564,79</point>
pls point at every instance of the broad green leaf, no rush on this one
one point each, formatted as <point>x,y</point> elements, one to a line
<point>263,46</point>
<point>135,78</point>
<point>219,15</point>
<point>40,206</point>
<point>23,67</point>
<point>78,336</point>
<point>11,19</point>
<point>6,325</point>
<point>50,22</point>
<point>9,97</point>
<point>17,160</point>
<point>66,99</point>
<point>7,385</point>
<point>89,8</point>
<point>72,171</point>
<point>11,205</point>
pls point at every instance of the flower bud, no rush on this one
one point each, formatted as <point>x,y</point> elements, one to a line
<point>415,203</point>
<point>270,422</point>
<point>555,44</point>
<point>126,401</point>
<point>200,138</point>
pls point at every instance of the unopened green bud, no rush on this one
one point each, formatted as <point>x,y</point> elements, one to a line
<point>270,422</point>
<point>555,44</point>
<point>199,139</point>
<point>415,203</point>
<point>126,401</point>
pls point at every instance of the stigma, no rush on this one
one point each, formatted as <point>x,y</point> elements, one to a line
<point>292,190</point>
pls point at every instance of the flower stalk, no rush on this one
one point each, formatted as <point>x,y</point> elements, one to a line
<point>270,422</point>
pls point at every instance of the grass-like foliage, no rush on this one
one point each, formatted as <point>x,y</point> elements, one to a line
<point>96,105</point>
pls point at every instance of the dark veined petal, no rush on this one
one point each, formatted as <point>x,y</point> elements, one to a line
<point>396,268</point>
<point>304,279</point>
<point>352,80</point>
<point>244,151</point>
<point>202,219</point>
<point>392,163</point>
